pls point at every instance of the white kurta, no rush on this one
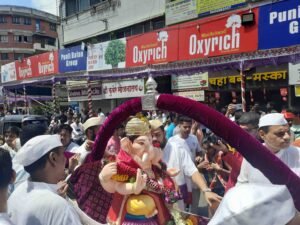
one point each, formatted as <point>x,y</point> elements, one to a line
<point>36,203</point>
<point>4,219</point>
<point>290,156</point>
<point>72,147</point>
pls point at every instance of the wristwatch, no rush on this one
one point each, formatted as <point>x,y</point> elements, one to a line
<point>206,190</point>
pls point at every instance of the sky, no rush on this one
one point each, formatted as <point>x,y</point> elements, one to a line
<point>44,5</point>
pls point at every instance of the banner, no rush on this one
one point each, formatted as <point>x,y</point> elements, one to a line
<point>180,10</point>
<point>72,59</point>
<point>8,72</point>
<point>24,68</point>
<point>198,80</point>
<point>47,64</point>
<point>123,89</point>
<point>194,95</point>
<point>294,74</point>
<point>279,24</point>
<point>152,48</point>
<point>217,36</point>
<point>207,7</point>
<point>106,55</point>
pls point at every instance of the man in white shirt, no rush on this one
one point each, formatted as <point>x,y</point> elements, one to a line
<point>7,176</point>
<point>176,156</point>
<point>65,132</point>
<point>275,132</point>
<point>78,131</point>
<point>12,141</point>
<point>91,127</point>
<point>36,201</point>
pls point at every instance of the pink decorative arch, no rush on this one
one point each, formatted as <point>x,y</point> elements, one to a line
<point>260,157</point>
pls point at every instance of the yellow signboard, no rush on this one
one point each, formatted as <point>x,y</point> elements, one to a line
<point>297,90</point>
<point>206,7</point>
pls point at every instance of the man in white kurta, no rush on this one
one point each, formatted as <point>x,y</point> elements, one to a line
<point>35,201</point>
<point>274,130</point>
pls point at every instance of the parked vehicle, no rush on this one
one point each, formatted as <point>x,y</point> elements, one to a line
<point>19,121</point>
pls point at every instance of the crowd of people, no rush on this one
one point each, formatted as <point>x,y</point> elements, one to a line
<point>42,169</point>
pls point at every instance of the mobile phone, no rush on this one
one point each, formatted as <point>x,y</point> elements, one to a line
<point>238,107</point>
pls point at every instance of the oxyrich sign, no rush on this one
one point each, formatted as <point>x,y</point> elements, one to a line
<point>72,59</point>
<point>152,48</point>
<point>217,36</point>
<point>279,24</point>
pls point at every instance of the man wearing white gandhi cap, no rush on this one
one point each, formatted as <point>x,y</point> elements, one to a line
<point>36,201</point>
<point>275,132</point>
<point>255,200</point>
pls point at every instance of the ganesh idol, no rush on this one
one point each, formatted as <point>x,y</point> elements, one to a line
<point>142,186</point>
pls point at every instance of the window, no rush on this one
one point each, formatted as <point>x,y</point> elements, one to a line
<point>16,20</point>
<point>94,2</point>
<point>4,56</point>
<point>52,26</point>
<point>158,24</point>
<point>37,25</point>
<point>27,39</point>
<point>18,38</point>
<point>3,38</point>
<point>137,29</point>
<point>3,19</point>
<point>18,56</point>
<point>51,41</point>
<point>27,21</point>
<point>71,7</point>
<point>83,5</point>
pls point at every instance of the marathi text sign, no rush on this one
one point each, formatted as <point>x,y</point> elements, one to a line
<point>265,76</point>
<point>180,10</point>
<point>106,55</point>
<point>279,24</point>
<point>215,37</point>
<point>123,89</point>
<point>80,94</point>
<point>199,80</point>
<point>294,74</point>
<point>206,7</point>
<point>8,72</point>
<point>72,59</point>
<point>194,95</point>
<point>152,48</point>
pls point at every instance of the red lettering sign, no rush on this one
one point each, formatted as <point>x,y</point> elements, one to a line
<point>152,48</point>
<point>217,36</point>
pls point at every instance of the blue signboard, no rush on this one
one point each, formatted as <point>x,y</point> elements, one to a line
<point>279,24</point>
<point>72,59</point>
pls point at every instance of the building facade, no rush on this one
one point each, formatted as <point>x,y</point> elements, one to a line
<point>25,32</point>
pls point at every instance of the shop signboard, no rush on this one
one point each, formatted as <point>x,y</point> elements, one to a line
<point>297,90</point>
<point>106,55</point>
<point>152,48</point>
<point>8,72</point>
<point>217,36</point>
<point>207,7</point>
<point>72,59</point>
<point>183,82</point>
<point>194,95</point>
<point>294,74</point>
<point>78,91</point>
<point>279,24</point>
<point>180,10</point>
<point>24,68</point>
<point>123,89</point>
<point>47,64</point>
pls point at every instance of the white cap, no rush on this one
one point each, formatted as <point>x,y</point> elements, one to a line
<point>93,121</point>
<point>37,147</point>
<point>249,204</point>
<point>272,119</point>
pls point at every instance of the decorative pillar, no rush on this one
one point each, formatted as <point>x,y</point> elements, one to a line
<point>5,105</point>
<point>54,97</point>
<point>90,100</point>
<point>25,99</point>
<point>243,86</point>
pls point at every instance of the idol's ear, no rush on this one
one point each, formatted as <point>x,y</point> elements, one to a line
<point>126,145</point>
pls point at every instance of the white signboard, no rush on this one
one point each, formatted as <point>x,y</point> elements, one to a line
<point>123,89</point>
<point>8,72</point>
<point>106,55</point>
<point>180,10</point>
<point>198,96</point>
<point>182,82</point>
<point>294,74</point>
